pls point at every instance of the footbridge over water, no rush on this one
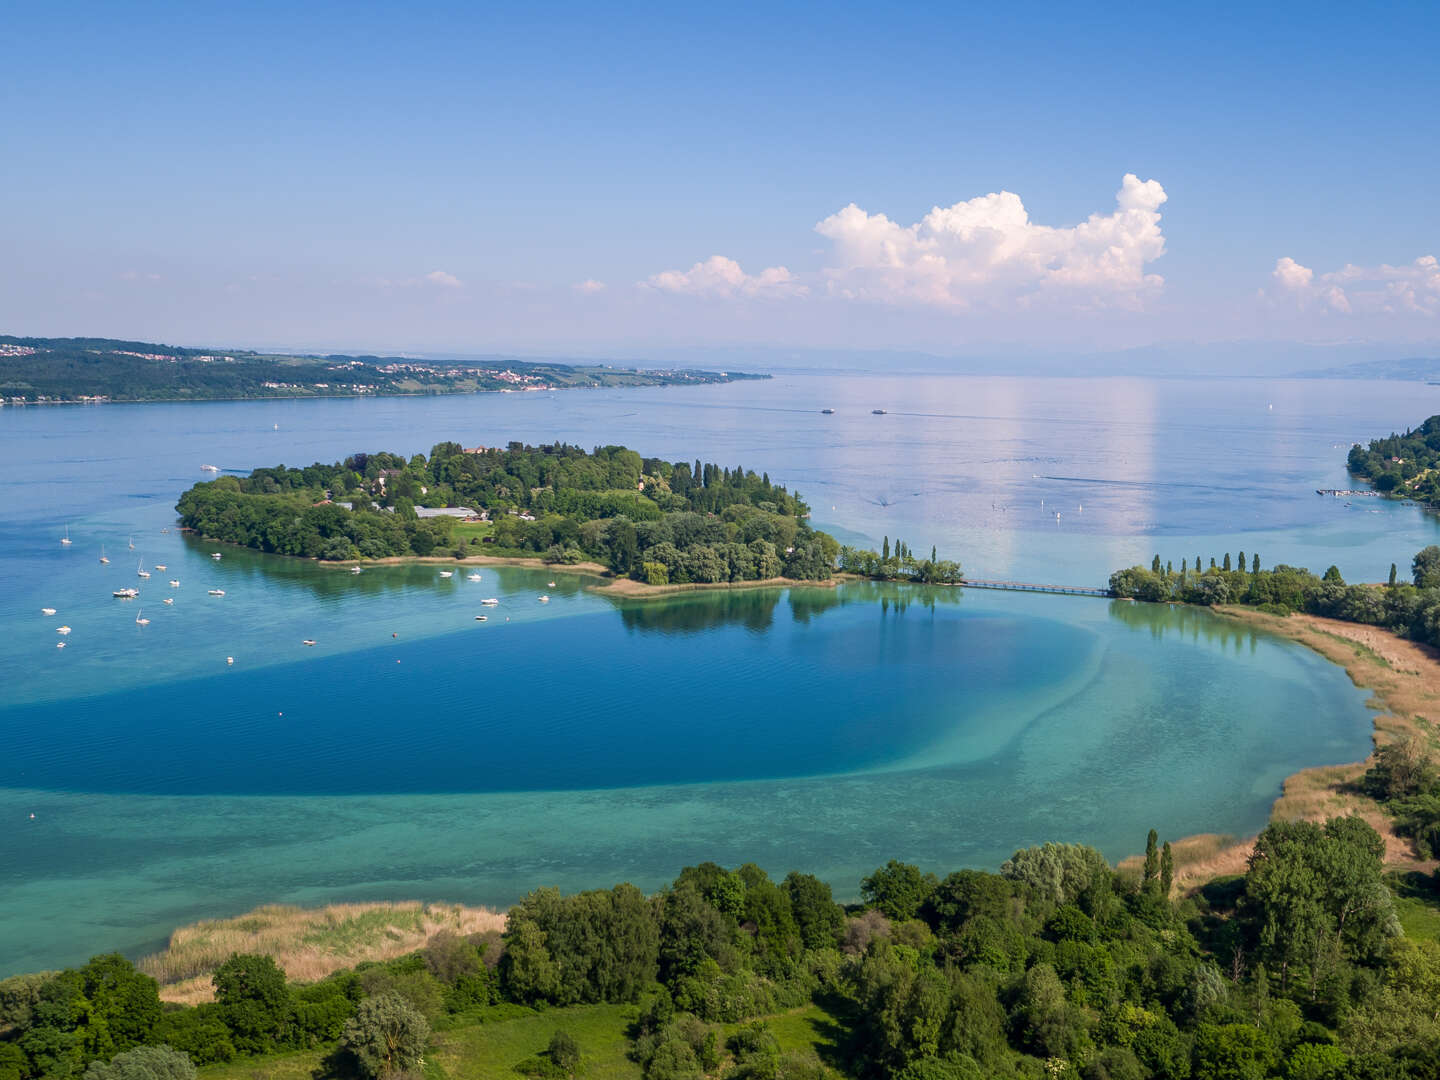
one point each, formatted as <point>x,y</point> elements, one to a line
<point>1027,586</point>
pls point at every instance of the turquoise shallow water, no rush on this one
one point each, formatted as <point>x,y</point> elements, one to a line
<point>585,741</point>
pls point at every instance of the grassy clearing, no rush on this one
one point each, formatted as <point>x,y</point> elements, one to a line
<point>507,1035</point>
<point>490,1051</point>
<point>1417,902</point>
<point>307,943</point>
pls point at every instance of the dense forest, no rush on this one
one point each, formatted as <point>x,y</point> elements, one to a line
<point>1402,464</point>
<point>658,521</point>
<point>1056,967</point>
<point>104,369</point>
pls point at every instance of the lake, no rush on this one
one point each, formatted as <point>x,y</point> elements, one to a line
<point>415,752</point>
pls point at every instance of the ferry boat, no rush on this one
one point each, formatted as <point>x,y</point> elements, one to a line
<point>877,412</point>
<point>828,412</point>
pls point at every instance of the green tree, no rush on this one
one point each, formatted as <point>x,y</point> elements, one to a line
<point>1152,857</point>
<point>564,1052</point>
<point>1425,568</point>
<point>1332,576</point>
<point>144,1063</point>
<point>1255,563</point>
<point>255,1003</point>
<point>1231,1052</point>
<point>1167,870</point>
<point>897,890</point>
<point>1227,561</point>
<point>1391,582</point>
<point>124,1002</point>
<point>816,914</point>
<point>386,1036</point>
<point>1155,565</point>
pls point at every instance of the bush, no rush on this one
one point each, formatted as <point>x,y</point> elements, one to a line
<point>386,1036</point>
<point>144,1063</point>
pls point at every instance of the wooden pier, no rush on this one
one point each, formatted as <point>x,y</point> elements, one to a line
<point>1026,586</point>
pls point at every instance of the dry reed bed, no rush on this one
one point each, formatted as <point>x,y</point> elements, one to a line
<point>308,943</point>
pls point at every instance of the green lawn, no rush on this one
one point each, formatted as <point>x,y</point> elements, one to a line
<point>490,1050</point>
<point>1417,903</point>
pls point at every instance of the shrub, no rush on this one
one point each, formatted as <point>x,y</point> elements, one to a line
<point>144,1063</point>
<point>386,1036</point>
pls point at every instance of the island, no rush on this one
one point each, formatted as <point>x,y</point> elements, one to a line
<point>643,519</point>
<point>36,370</point>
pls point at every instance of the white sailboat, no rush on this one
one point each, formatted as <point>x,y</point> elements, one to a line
<point>65,540</point>
<point>131,542</point>
<point>140,570</point>
<point>103,558</point>
<point>140,619</point>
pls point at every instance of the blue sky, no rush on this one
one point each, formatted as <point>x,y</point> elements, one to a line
<point>564,177</point>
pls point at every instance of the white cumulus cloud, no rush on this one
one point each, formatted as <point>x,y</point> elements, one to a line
<point>444,280</point>
<point>589,286</point>
<point>719,276</point>
<point>1413,289</point>
<point>984,253</point>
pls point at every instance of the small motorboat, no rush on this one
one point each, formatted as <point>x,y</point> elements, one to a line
<point>161,566</point>
<point>551,584</point>
<point>491,602</point>
<point>447,573</point>
<point>168,600</point>
<point>229,659</point>
<point>308,641</point>
<point>877,412</point>
<point>481,618</point>
<point>472,577</point>
<point>174,582</point>
<point>828,412</point>
<point>217,592</point>
<point>216,555</point>
<point>59,644</point>
<point>355,569</point>
<point>47,611</point>
<point>544,599</point>
<point>125,594</point>
<point>62,629</point>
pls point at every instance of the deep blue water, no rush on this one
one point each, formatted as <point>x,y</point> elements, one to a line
<point>416,752</point>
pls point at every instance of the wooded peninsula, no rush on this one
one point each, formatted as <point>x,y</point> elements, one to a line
<point>96,370</point>
<point>658,522</point>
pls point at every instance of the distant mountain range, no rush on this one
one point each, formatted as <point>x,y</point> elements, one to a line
<point>1409,369</point>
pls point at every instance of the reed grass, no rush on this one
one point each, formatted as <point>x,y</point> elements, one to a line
<point>308,943</point>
